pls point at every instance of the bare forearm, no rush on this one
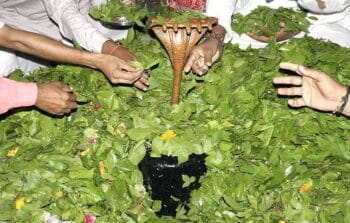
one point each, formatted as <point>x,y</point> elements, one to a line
<point>45,47</point>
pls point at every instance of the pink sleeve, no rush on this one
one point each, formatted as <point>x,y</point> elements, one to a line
<point>16,94</point>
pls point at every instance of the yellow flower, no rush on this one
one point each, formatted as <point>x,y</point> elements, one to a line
<point>305,187</point>
<point>102,167</point>
<point>169,134</point>
<point>59,194</point>
<point>12,151</point>
<point>20,203</point>
<point>85,152</point>
<point>281,221</point>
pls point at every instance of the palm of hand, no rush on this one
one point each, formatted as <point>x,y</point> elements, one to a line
<point>320,94</point>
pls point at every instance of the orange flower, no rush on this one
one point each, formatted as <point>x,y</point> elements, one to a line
<point>305,187</point>
<point>102,167</point>
<point>169,134</point>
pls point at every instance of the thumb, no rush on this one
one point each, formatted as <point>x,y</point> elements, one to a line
<point>190,62</point>
<point>208,59</point>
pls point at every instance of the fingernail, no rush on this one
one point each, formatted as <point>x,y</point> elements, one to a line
<point>145,89</point>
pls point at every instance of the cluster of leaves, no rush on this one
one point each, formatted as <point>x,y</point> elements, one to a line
<point>260,152</point>
<point>270,18</point>
<point>173,16</point>
<point>114,10</point>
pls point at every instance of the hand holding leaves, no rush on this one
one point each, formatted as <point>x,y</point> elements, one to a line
<point>281,35</point>
<point>317,89</point>
<point>119,71</point>
<point>55,98</point>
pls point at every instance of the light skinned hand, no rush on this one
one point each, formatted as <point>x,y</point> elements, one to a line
<point>203,57</point>
<point>120,72</point>
<point>316,89</point>
<point>55,98</point>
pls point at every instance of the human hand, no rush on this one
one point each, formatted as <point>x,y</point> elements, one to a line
<point>55,98</point>
<point>120,72</point>
<point>280,36</point>
<point>204,56</point>
<point>317,89</point>
<point>123,53</point>
<point>116,49</point>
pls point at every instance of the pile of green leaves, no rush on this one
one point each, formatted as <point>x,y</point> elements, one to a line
<point>114,10</point>
<point>173,16</point>
<point>260,151</point>
<point>270,18</point>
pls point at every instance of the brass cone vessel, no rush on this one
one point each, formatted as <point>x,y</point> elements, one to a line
<point>179,40</point>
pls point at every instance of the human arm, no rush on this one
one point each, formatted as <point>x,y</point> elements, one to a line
<point>115,69</point>
<point>316,89</point>
<point>54,98</point>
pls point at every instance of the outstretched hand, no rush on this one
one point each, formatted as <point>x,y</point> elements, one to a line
<point>268,35</point>
<point>317,89</point>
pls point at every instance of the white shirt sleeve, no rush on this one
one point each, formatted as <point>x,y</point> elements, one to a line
<point>74,25</point>
<point>222,10</point>
<point>1,24</point>
<point>324,6</point>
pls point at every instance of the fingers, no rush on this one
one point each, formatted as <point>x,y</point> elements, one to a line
<point>55,98</point>
<point>290,66</point>
<point>288,80</point>
<point>72,97</point>
<point>71,105</point>
<point>142,83</point>
<point>199,62</point>
<point>126,78</point>
<point>301,70</point>
<point>199,67</point>
<point>293,91</point>
<point>127,67</point>
<point>191,60</point>
<point>208,59</point>
<point>296,103</point>
<point>264,39</point>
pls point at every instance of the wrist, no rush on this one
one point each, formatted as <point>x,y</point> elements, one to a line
<point>340,93</point>
<point>108,46</point>
<point>344,103</point>
<point>346,111</point>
